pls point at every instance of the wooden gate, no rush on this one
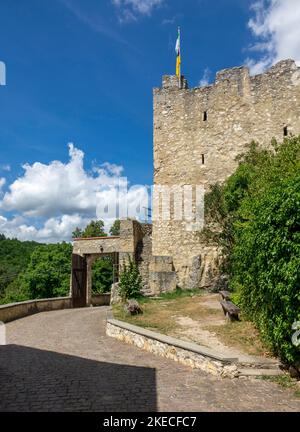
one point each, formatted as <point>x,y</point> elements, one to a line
<point>79,281</point>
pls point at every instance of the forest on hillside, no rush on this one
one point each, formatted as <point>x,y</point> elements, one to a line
<point>14,259</point>
<point>31,270</point>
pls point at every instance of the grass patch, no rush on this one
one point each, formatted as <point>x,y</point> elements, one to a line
<point>159,313</point>
<point>178,293</point>
<point>241,335</point>
<point>284,381</point>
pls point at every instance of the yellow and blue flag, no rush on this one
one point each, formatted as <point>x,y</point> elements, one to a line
<point>178,53</point>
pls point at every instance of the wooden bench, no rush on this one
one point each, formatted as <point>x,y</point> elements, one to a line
<point>231,311</point>
<point>225,295</point>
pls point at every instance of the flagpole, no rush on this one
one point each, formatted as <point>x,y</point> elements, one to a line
<point>179,77</point>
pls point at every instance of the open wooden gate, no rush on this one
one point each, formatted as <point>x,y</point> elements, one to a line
<point>79,281</point>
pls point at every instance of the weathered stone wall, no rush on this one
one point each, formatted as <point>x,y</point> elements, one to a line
<point>197,135</point>
<point>101,299</point>
<point>162,276</point>
<point>13,311</point>
<point>99,245</point>
<point>186,353</point>
<point>144,255</point>
<point>135,242</point>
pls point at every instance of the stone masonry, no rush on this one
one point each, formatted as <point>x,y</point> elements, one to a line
<point>134,241</point>
<point>198,133</point>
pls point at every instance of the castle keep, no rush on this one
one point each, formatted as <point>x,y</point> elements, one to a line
<point>197,135</point>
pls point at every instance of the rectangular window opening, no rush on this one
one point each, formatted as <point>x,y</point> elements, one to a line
<point>203,159</point>
<point>205,116</point>
<point>285,131</point>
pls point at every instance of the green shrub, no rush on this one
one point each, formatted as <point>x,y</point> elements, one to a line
<point>266,265</point>
<point>130,280</point>
<point>102,275</point>
<point>258,211</point>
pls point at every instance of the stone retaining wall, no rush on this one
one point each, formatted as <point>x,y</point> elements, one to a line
<point>101,299</point>
<point>188,354</point>
<point>13,311</point>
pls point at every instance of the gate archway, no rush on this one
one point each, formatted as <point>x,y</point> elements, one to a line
<point>85,252</point>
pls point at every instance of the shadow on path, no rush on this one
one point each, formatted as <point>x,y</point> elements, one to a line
<point>36,380</point>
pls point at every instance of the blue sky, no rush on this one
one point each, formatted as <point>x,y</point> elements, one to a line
<point>82,71</point>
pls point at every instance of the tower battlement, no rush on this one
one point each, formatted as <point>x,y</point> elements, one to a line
<point>237,75</point>
<point>199,132</point>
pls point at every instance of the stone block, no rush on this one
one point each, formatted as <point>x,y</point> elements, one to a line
<point>162,282</point>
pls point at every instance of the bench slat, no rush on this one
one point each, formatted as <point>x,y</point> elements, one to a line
<point>225,294</point>
<point>230,309</point>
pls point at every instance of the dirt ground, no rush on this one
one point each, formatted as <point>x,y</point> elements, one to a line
<point>199,318</point>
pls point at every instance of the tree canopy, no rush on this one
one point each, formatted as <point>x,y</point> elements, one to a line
<point>115,228</point>
<point>47,274</point>
<point>258,209</point>
<point>14,259</point>
<point>93,229</point>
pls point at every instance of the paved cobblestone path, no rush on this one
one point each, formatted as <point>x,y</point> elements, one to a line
<point>63,361</point>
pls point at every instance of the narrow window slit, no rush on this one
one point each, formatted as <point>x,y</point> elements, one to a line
<point>203,159</point>
<point>285,131</point>
<point>205,116</point>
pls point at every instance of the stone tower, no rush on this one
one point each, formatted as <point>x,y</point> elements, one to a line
<point>198,133</point>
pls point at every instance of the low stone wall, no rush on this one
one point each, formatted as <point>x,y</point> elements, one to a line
<point>13,311</point>
<point>188,354</point>
<point>101,299</point>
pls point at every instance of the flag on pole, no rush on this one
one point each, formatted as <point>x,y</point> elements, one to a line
<point>178,53</point>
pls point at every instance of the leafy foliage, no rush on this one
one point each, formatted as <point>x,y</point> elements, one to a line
<point>47,275</point>
<point>258,211</point>
<point>14,258</point>
<point>130,280</point>
<point>93,229</point>
<point>77,233</point>
<point>115,228</point>
<point>102,275</point>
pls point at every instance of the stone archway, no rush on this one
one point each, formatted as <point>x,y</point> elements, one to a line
<point>91,259</point>
<point>85,252</point>
<point>134,241</point>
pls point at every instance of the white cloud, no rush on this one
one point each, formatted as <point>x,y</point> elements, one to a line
<point>53,230</point>
<point>5,167</point>
<point>2,182</point>
<point>50,200</point>
<point>206,77</point>
<point>130,9</point>
<point>275,24</point>
<point>58,188</point>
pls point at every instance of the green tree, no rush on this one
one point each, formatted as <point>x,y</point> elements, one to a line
<point>130,280</point>
<point>14,259</point>
<point>94,229</point>
<point>47,275</point>
<point>266,264</point>
<point>258,213</point>
<point>102,275</point>
<point>115,228</point>
<point>77,233</point>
